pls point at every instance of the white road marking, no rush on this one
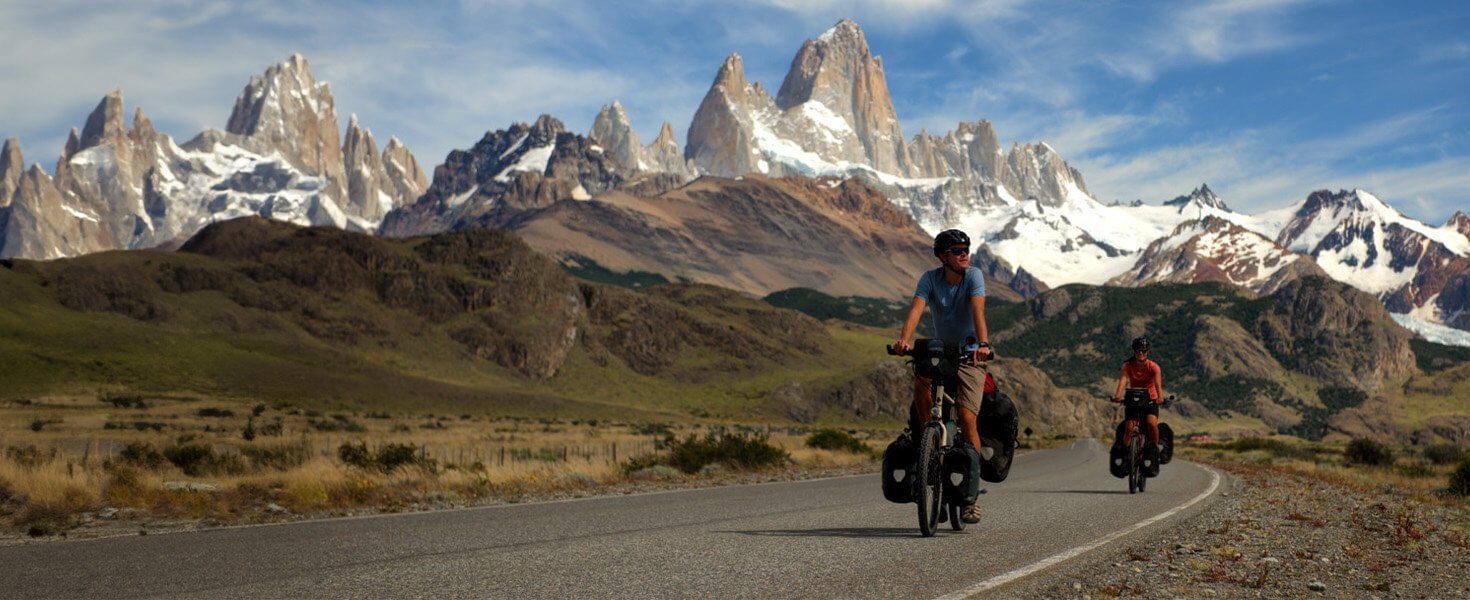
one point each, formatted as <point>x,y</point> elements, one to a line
<point>1061,557</point>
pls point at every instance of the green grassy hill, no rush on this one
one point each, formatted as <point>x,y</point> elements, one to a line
<point>470,322</point>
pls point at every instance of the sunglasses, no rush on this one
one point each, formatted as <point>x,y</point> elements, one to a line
<point>958,251</point>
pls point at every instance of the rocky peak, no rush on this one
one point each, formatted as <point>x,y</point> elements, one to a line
<point>407,177</point>
<point>836,71</point>
<point>614,131</point>
<point>666,138</point>
<point>366,188</point>
<point>1038,171</point>
<point>1459,222</point>
<point>287,111</point>
<point>12,168</point>
<point>105,124</point>
<point>722,134</point>
<point>1200,197</point>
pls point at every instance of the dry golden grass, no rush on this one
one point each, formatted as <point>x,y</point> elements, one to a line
<point>76,463</point>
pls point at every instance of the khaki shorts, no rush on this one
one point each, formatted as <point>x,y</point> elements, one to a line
<point>969,385</point>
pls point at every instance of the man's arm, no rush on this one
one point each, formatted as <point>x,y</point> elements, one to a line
<point>916,312</point>
<point>977,311</point>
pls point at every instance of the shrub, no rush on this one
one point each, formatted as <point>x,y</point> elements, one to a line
<point>200,459</point>
<point>40,424</point>
<point>1443,454</point>
<point>1460,479</point>
<point>739,450</point>
<point>337,423</point>
<point>142,454</point>
<point>1416,469</point>
<point>639,463</point>
<point>833,439</point>
<point>215,412</point>
<point>29,457</point>
<point>1363,451</point>
<point>281,457</point>
<point>387,458</point>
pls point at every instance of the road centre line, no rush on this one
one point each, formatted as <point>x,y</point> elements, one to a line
<point>1061,557</point>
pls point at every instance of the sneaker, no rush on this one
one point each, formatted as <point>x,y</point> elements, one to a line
<point>971,514</point>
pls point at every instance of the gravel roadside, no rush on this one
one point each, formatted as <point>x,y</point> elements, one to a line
<point>1276,533</point>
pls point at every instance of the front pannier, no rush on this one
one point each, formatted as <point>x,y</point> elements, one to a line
<point>962,464</point>
<point>898,471</point>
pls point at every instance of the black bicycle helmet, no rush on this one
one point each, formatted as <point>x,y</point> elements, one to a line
<point>1140,343</point>
<point>948,239</point>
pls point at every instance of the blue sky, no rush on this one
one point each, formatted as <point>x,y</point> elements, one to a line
<point>1265,100</point>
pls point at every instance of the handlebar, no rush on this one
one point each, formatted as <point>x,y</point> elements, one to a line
<point>957,353</point>
<point>1126,402</point>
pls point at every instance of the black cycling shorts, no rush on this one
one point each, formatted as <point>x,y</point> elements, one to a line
<point>1138,412</point>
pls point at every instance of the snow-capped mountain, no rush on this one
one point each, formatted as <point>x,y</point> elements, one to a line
<point>1217,249</point>
<point>506,173</point>
<point>118,187</point>
<point>833,117</point>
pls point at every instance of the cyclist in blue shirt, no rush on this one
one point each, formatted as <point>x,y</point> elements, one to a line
<point>955,295</point>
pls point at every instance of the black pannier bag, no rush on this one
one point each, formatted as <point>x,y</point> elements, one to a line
<point>1000,425</point>
<point>898,471</point>
<point>1118,460</point>
<point>1166,439</point>
<point>964,461</point>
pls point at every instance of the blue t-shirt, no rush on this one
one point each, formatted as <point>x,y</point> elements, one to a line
<point>949,305</point>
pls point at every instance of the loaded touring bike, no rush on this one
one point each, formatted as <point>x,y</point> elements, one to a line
<point>945,471</point>
<point>1130,460</point>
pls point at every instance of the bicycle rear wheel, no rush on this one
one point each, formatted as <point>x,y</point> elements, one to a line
<point>1135,469</point>
<point>929,480</point>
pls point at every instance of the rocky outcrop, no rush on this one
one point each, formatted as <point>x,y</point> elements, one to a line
<point>1335,334</point>
<point>39,217</point>
<point>12,168</point>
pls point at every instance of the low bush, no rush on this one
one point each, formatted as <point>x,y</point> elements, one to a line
<point>1363,451</point>
<point>1460,479</point>
<point>639,463</point>
<point>833,439</point>
<point>197,460</point>
<point>142,454</point>
<point>215,412</point>
<point>281,457</point>
<point>1444,454</point>
<point>387,457</point>
<point>737,450</point>
<point>29,456</point>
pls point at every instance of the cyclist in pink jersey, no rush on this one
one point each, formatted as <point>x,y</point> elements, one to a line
<point>1140,373</point>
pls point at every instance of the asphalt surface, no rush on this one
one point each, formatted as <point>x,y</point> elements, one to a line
<point>828,538</point>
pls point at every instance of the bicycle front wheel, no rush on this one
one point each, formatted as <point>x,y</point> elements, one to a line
<point>929,480</point>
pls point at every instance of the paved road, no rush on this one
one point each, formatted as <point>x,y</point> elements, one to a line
<point>831,538</point>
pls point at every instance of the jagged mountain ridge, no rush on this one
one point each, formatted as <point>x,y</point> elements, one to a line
<point>578,201</point>
<point>120,187</point>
